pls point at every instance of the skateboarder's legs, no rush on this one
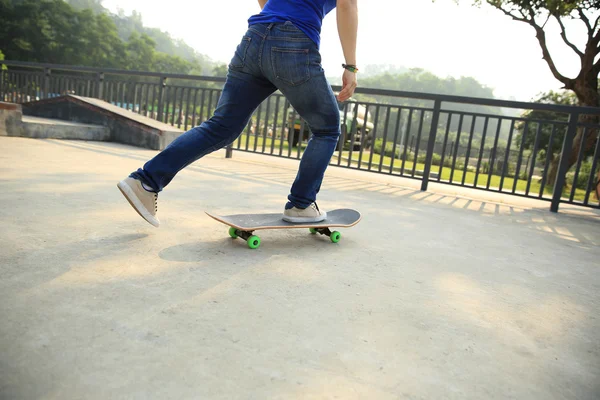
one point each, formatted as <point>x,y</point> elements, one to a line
<point>297,72</point>
<point>320,110</point>
<point>242,94</point>
<point>269,57</point>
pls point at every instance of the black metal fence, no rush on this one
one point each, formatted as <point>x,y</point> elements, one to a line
<point>483,144</point>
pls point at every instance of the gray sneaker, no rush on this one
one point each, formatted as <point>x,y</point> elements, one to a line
<point>309,214</point>
<point>142,201</point>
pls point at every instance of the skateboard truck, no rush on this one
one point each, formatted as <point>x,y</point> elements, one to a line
<point>254,241</point>
<point>335,236</point>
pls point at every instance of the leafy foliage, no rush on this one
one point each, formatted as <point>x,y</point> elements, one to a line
<point>555,7</point>
<point>420,80</point>
<point>83,32</point>
<point>164,43</point>
<point>536,14</point>
<point>552,97</point>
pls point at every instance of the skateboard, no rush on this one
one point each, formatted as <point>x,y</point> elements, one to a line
<point>244,225</point>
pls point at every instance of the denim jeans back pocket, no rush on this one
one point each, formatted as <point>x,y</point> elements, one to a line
<point>288,27</point>
<point>239,58</point>
<point>291,65</point>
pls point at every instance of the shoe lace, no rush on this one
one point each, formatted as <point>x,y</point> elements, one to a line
<point>155,202</point>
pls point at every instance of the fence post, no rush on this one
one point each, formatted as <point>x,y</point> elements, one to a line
<point>431,143</point>
<point>100,85</point>
<point>2,89</point>
<point>161,97</point>
<point>47,73</point>
<point>561,175</point>
<point>229,151</point>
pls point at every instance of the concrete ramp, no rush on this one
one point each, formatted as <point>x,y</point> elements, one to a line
<point>10,119</point>
<point>124,126</point>
<point>44,128</point>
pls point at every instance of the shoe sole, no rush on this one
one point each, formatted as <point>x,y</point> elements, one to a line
<point>137,205</point>
<point>306,220</point>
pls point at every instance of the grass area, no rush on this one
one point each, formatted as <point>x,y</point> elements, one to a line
<point>469,177</point>
<point>268,143</point>
<point>457,177</point>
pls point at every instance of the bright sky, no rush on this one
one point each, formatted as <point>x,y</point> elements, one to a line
<point>442,37</point>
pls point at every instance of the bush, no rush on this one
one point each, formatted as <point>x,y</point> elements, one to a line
<point>510,169</point>
<point>389,148</point>
<point>524,175</point>
<point>448,163</point>
<point>541,157</point>
<point>583,177</point>
<point>435,160</point>
<point>485,167</point>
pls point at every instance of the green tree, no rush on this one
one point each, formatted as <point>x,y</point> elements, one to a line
<point>94,5</point>
<point>106,48</point>
<point>562,97</point>
<point>536,14</point>
<point>82,32</point>
<point>52,31</point>
<point>140,50</point>
<point>170,64</point>
<point>127,25</point>
<point>220,70</point>
<point>420,80</point>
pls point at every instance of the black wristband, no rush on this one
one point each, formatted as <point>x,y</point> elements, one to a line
<point>350,67</point>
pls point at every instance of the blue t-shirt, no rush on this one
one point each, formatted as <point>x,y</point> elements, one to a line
<point>307,15</point>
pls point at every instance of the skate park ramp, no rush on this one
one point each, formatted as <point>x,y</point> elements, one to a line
<point>125,126</point>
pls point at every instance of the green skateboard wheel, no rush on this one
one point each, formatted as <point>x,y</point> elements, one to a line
<point>335,237</point>
<point>253,242</point>
<point>232,233</point>
<point>312,230</point>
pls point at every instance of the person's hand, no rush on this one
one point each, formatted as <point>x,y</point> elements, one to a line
<point>349,83</point>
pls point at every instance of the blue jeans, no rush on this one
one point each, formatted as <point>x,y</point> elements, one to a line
<point>269,57</point>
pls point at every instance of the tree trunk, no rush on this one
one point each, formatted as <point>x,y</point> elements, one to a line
<point>585,85</point>
<point>590,142</point>
<point>588,95</point>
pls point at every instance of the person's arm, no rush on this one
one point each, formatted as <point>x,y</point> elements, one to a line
<point>262,3</point>
<point>347,21</point>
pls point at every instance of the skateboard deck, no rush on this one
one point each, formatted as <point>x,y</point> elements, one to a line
<point>243,225</point>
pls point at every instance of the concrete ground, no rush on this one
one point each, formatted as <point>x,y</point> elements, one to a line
<point>432,296</point>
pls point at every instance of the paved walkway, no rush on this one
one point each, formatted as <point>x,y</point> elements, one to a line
<point>431,296</point>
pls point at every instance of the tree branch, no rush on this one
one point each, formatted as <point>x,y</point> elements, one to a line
<point>596,67</point>
<point>586,20</point>
<point>563,34</point>
<point>524,19</point>
<point>541,37</point>
<point>532,14</point>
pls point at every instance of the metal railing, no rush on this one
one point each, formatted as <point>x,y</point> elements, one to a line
<point>482,144</point>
